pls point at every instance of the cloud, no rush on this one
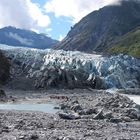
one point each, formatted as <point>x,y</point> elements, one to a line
<point>49,29</point>
<point>75,9</point>
<point>61,37</point>
<point>22,40</point>
<point>35,30</point>
<point>22,14</point>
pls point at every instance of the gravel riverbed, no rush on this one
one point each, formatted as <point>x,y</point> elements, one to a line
<point>85,115</point>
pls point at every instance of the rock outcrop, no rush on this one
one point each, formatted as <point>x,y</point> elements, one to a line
<point>99,30</point>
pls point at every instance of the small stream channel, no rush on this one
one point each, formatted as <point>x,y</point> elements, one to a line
<point>47,107</point>
<point>135,98</point>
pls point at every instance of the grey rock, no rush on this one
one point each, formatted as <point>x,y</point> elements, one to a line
<point>75,102</point>
<point>76,107</point>
<point>64,106</point>
<point>99,116</point>
<point>89,111</point>
<point>116,120</point>
<point>117,101</point>
<point>53,127</point>
<point>5,129</point>
<point>21,137</point>
<point>138,116</point>
<point>68,138</point>
<point>133,113</point>
<point>69,116</point>
<point>126,119</point>
<point>34,137</point>
<point>108,115</point>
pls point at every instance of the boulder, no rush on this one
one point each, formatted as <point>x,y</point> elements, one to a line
<point>64,106</point>
<point>108,115</point>
<point>34,137</point>
<point>99,116</point>
<point>138,116</point>
<point>126,119</point>
<point>69,116</point>
<point>65,138</point>
<point>133,113</point>
<point>68,138</point>
<point>76,107</point>
<point>116,120</point>
<point>89,111</point>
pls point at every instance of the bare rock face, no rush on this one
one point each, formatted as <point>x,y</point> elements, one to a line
<point>100,29</point>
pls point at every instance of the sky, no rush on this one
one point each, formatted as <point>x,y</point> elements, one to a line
<point>52,17</point>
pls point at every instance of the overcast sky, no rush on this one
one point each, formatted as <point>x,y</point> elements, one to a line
<point>53,17</point>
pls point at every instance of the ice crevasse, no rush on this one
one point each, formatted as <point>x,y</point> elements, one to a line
<point>72,68</point>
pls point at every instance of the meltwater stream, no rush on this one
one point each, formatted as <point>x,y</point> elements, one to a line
<point>48,108</point>
<point>135,98</point>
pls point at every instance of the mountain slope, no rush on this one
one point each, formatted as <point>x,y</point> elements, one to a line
<point>129,44</point>
<point>20,37</point>
<point>4,68</point>
<point>100,29</point>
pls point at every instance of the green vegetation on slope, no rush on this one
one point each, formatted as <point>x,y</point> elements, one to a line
<point>4,68</point>
<point>128,44</point>
<point>102,28</point>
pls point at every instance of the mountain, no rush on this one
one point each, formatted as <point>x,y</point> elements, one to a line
<point>4,68</point>
<point>20,37</point>
<point>99,30</point>
<point>129,44</point>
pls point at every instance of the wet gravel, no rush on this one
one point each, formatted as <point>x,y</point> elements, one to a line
<point>30,125</point>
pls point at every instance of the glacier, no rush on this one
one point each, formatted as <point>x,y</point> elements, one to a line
<point>72,69</point>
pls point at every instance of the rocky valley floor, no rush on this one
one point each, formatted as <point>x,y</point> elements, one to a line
<point>85,115</point>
